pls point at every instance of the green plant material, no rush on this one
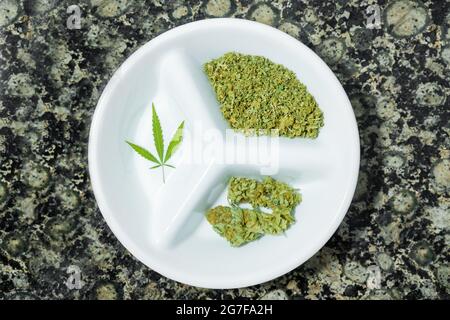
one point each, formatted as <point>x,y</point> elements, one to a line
<point>258,96</point>
<point>239,225</point>
<point>269,193</point>
<point>143,152</point>
<point>158,139</point>
<point>157,133</point>
<point>175,142</point>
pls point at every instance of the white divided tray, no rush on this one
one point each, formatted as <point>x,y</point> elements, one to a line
<point>163,224</point>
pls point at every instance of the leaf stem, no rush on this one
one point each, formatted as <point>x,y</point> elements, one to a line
<point>164,177</point>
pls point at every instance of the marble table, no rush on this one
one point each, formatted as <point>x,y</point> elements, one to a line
<point>393,59</point>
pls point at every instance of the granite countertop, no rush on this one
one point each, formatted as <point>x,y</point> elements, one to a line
<point>394,241</point>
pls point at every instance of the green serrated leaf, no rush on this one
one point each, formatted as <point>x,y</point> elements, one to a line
<point>157,134</point>
<point>175,142</point>
<point>159,144</point>
<point>144,152</point>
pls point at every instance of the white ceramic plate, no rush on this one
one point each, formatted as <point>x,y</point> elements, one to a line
<point>163,225</point>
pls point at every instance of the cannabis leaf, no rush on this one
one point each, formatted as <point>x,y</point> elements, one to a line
<point>157,133</point>
<point>143,152</point>
<point>158,140</point>
<point>175,142</point>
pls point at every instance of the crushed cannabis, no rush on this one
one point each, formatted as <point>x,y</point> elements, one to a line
<point>258,96</point>
<point>241,225</point>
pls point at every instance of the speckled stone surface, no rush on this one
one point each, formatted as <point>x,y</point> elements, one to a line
<point>394,241</point>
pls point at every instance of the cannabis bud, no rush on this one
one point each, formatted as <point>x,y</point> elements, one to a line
<point>239,225</point>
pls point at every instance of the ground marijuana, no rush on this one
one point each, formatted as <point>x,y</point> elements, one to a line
<point>240,225</point>
<point>258,95</point>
